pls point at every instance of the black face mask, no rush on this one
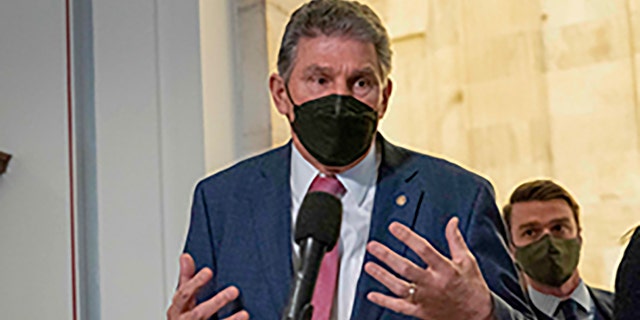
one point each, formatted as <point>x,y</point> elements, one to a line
<point>335,129</point>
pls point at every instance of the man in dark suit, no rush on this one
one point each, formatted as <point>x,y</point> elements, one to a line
<point>545,240</point>
<point>628,281</point>
<point>332,85</point>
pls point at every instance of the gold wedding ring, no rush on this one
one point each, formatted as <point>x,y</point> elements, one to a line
<point>411,292</point>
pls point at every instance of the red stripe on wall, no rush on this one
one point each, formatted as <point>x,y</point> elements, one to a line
<point>74,300</point>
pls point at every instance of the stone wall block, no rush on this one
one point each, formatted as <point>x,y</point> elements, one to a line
<point>560,13</point>
<point>506,100</point>
<point>594,89</point>
<point>488,18</point>
<point>587,43</point>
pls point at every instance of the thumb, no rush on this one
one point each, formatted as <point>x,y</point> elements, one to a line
<point>457,246</point>
<point>187,268</point>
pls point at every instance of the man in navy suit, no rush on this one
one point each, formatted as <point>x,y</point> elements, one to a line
<point>544,227</point>
<point>426,232</point>
<point>628,280</point>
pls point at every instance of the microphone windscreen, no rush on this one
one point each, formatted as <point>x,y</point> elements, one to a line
<point>319,217</point>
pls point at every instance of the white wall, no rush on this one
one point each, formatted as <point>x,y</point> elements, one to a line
<point>235,80</point>
<point>172,98</point>
<point>141,131</point>
<point>34,194</point>
<point>149,143</point>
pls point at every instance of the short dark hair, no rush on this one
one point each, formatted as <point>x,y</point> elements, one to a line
<point>539,190</point>
<point>334,18</point>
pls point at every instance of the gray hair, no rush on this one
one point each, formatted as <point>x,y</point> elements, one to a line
<point>334,18</point>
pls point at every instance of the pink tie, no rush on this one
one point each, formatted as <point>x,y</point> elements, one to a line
<point>325,289</point>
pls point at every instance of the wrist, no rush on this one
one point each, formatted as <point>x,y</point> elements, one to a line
<point>486,310</point>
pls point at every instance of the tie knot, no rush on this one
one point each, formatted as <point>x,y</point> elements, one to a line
<point>569,309</point>
<point>328,184</point>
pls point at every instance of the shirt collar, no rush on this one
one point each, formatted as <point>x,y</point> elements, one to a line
<point>356,180</point>
<point>583,298</point>
<point>548,304</point>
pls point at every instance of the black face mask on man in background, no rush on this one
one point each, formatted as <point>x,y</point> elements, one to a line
<point>335,129</point>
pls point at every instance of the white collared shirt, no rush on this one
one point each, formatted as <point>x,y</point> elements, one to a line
<point>548,304</point>
<point>357,203</point>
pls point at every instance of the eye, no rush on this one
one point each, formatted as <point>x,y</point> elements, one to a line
<point>362,83</point>
<point>559,229</point>
<point>529,233</point>
<point>362,86</point>
<point>318,80</point>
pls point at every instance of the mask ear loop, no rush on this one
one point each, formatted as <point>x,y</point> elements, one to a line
<point>286,88</point>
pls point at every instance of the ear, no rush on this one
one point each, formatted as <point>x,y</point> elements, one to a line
<point>580,234</point>
<point>277,87</point>
<point>386,94</point>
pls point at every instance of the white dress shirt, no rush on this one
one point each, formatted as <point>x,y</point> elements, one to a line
<point>357,203</point>
<point>548,304</point>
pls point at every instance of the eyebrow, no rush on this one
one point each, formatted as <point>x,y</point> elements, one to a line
<point>528,225</point>
<point>536,224</point>
<point>560,220</point>
<point>315,69</point>
<point>366,71</point>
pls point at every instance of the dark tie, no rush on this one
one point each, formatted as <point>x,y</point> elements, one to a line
<point>325,289</point>
<point>569,309</point>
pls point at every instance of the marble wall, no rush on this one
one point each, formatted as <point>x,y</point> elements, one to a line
<point>516,90</point>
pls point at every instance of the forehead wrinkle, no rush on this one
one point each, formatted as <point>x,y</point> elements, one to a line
<point>320,53</point>
<point>316,68</point>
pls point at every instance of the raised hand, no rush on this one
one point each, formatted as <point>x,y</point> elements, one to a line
<point>183,305</point>
<point>446,289</point>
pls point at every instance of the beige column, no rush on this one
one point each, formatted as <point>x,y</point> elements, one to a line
<point>234,79</point>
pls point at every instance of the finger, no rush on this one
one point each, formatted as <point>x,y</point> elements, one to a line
<point>187,291</point>
<point>457,245</point>
<point>398,286</point>
<point>396,304</point>
<point>420,246</point>
<point>397,263</point>
<point>211,306</point>
<point>242,315</point>
<point>187,268</point>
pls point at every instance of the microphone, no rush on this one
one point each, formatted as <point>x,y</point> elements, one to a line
<point>317,231</point>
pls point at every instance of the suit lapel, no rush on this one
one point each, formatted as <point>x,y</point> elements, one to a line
<point>398,197</point>
<point>272,224</point>
<point>603,302</point>
<point>539,314</point>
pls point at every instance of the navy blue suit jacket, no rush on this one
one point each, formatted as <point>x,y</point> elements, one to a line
<point>628,281</point>
<point>241,228</point>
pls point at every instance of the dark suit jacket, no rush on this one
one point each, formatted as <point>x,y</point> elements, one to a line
<point>628,281</point>
<point>241,228</point>
<point>602,299</point>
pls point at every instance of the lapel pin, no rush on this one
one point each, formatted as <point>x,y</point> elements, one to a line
<point>401,200</point>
